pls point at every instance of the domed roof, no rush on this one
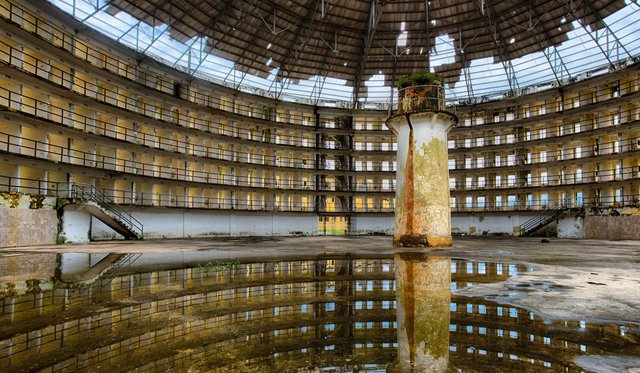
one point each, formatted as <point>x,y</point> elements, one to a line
<point>299,48</point>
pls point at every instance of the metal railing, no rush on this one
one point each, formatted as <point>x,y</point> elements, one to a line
<point>541,219</point>
<point>205,200</point>
<point>92,193</point>
<point>421,98</point>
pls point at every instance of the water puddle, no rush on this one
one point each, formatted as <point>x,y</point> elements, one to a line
<point>189,312</point>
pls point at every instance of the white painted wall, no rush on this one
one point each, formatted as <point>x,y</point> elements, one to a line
<point>571,226</point>
<point>476,224</point>
<point>368,224</point>
<point>76,224</point>
<point>185,223</point>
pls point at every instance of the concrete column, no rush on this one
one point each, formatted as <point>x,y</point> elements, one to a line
<point>423,292</point>
<point>422,208</point>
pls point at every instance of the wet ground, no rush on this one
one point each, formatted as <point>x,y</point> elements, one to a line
<point>320,304</point>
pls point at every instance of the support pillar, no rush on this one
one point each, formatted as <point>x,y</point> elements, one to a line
<point>422,207</point>
<point>423,292</point>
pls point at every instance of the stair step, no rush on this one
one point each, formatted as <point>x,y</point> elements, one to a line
<point>108,212</point>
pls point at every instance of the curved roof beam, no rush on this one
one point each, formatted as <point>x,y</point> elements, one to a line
<point>465,64</point>
<point>375,13</point>
<point>230,28</point>
<point>295,51</point>
<point>493,27</point>
<point>554,59</point>
<point>316,91</point>
<point>571,9</point>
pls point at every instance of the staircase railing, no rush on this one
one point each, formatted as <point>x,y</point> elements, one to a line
<point>540,220</point>
<point>92,193</point>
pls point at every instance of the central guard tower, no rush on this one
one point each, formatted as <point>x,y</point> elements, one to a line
<point>421,124</point>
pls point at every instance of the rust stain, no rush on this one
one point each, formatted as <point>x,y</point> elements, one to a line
<point>409,309</point>
<point>408,185</point>
<point>423,215</point>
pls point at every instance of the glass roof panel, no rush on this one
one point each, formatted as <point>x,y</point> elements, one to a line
<point>585,52</point>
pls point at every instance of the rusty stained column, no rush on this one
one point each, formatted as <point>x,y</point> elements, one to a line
<point>422,207</point>
<point>423,292</point>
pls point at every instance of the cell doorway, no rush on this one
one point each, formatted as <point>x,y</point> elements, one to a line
<point>333,225</point>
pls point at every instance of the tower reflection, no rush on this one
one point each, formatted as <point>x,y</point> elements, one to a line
<point>423,292</point>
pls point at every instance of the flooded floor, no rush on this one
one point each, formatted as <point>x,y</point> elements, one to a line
<point>251,310</point>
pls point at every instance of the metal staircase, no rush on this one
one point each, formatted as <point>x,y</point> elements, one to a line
<point>541,220</point>
<point>103,208</point>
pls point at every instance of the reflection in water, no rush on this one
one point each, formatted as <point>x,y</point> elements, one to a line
<point>423,292</point>
<point>189,312</point>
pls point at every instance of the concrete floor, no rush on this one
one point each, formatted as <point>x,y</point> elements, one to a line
<point>591,280</point>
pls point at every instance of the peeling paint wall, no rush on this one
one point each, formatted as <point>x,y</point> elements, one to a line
<point>22,224</point>
<point>76,224</point>
<point>571,226</point>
